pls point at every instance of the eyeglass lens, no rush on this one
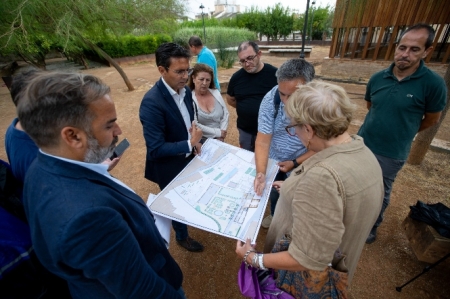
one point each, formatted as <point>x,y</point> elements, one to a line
<point>248,59</point>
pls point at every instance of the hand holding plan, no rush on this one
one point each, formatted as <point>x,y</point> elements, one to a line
<point>260,183</point>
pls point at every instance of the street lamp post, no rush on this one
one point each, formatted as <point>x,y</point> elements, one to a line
<point>203,18</point>
<point>302,53</point>
<point>312,20</point>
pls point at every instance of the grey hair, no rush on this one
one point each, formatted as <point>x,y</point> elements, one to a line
<point>296,68</point>
<point>54,100</point>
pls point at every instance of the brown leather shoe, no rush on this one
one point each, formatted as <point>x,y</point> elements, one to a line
<point>190,245</point>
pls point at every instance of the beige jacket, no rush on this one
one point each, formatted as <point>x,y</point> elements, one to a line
<point>311,209</point>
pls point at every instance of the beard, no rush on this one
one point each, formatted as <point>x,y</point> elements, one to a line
<point>97,154</point>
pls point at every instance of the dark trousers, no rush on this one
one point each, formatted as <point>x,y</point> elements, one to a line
<point>274,194</point>
<point>247,140</point>
<point>390,168</point>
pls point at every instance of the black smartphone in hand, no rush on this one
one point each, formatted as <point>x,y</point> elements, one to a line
<point>120,148</point>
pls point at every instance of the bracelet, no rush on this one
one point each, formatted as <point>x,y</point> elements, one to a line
<point>296,164</point>
<point>255,260</point>
<point>260,262</point>
<point>245,256</point>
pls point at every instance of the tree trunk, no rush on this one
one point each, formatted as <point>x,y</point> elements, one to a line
<point>112,62</point>
<point>423,139</point>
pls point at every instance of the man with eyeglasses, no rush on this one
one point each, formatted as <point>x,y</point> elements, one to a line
<point>272,140</point>
<point>246,89</point>
<point>171,135</point>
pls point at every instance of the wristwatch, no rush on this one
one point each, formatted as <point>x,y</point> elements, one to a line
<point>295,163</point>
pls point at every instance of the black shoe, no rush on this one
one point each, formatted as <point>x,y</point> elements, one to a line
<point>190,244</point>
<point>372,236</point>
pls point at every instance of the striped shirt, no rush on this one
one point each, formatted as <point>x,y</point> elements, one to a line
<point>283,147</point>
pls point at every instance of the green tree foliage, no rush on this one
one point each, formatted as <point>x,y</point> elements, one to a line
<point>273,21</point>
<point>229,37</point>
<point>321,19</point>
<point>277,21</point>
<point>30,28</point>
<point>222,40</point>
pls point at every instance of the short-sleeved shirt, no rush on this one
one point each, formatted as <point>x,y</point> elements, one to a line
<point>207,57</point>
<point>397,109</point>
<point>249,90</point>
<point>283,147</point>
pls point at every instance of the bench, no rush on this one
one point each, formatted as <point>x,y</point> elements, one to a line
<point>293,52</point>
<point>268,47</point>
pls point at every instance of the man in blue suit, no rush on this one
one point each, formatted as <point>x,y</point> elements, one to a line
<point>88,227</point>
<point>170,133</point>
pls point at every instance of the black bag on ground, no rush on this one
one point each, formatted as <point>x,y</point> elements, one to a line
<point>436,215</point>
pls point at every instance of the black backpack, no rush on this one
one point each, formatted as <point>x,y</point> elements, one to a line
<point>276,103</point>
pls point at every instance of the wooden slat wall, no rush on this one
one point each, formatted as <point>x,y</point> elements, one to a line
<point>380,17</point>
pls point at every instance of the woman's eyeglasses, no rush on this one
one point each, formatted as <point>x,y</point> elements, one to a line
<point>181,73</point>
<point>291,129</point>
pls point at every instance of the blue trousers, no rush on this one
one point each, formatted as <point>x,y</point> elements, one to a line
<point>390,168</point>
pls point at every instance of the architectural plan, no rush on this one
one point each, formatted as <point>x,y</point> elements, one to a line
<point>215,192</point>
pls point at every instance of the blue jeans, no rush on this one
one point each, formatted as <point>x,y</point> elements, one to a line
<point>247,140</point>
<point>274,194</point>
<point>390,168</point>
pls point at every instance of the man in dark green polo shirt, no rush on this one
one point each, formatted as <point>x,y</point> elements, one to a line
<point>402,100</point>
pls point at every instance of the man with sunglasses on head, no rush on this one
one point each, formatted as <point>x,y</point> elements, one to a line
<point>247,88</point>
<point>170,133</point>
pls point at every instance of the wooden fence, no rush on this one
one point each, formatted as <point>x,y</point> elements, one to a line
<point>370,29</point>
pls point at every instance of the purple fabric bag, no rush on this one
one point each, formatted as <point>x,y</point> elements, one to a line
<point>259,284</point>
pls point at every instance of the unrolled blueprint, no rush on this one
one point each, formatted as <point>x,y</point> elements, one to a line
<point>215,192</point>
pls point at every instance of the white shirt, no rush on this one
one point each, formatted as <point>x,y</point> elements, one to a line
<point>179,101</point>
<point>99,168</point>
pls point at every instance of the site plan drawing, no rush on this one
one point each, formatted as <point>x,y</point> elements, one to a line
<point>215,192</point>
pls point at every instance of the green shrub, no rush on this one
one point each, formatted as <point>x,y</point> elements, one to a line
<point>130,45</point>
<point>220,38</point>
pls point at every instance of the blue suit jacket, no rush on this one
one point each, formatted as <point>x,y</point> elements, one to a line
<point>96,234</point>
<point>165,134</point>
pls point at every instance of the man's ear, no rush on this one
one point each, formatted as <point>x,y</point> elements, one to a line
<point>73,137</point>
<point>162,70</point>
<point>427,51</point>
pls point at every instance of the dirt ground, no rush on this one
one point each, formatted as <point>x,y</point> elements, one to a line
<point>385,264</point>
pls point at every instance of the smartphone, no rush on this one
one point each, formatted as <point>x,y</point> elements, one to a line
<point>120,148</point>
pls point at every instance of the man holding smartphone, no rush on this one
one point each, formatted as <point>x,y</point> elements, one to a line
<point>88,227</point>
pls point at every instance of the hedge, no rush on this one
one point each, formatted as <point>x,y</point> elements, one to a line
<point>130,45</point>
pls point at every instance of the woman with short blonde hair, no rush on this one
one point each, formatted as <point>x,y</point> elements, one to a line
<point>326,107</point>
<point>328,204</point>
